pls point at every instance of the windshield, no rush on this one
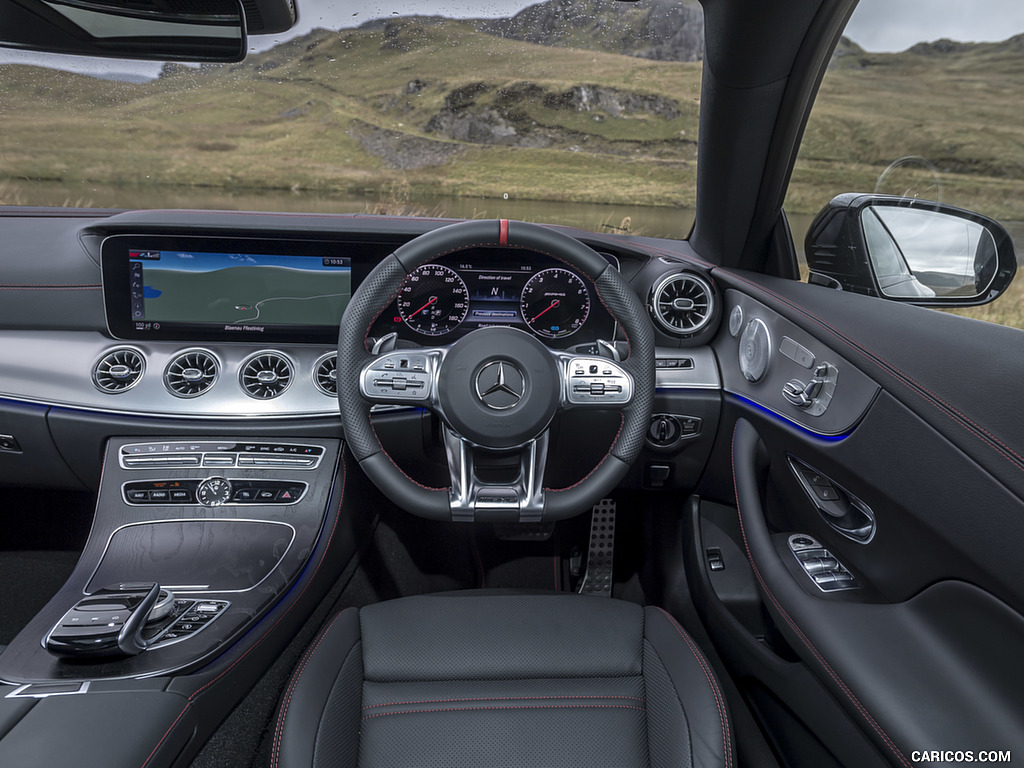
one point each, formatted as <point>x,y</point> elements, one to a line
<point>581,113</point>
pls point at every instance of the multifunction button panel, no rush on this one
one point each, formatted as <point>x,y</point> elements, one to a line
<point>214,492</point>
<point>180,455</point>
<point>399,375</point>
<point>597,380</point>
<point>186,618</point>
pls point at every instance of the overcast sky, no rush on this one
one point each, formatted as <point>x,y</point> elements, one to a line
<point>895,25</point>
<point>877,25</point>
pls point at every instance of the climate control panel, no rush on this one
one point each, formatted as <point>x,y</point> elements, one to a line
<point>224,453</point>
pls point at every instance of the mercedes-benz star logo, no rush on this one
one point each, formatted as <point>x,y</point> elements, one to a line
<point>500,385</point>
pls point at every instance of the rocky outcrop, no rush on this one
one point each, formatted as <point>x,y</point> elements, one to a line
<point>478,113</point>
<point>666,30</point>
<point>484,126</point>
<point>590,98</point>
<point>400,150</point>
<point>942,47</point>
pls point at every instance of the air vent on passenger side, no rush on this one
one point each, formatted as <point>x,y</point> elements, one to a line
<point>191,373</point>
<point>119,370</point>
<point>683,304</point>
<point>265,375</point>
<point>325,374</point>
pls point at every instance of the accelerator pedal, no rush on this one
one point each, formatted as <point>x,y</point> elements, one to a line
<point>597,580</point>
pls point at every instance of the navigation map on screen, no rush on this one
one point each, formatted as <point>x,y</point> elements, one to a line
<point>238,290</point>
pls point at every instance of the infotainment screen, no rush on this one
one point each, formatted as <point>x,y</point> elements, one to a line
<point>227,289</point>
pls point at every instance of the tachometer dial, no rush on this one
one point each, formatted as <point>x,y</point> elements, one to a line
<point>433,300</point>
<point>555,303</point>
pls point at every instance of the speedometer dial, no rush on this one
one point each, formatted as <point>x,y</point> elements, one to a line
<point>433,300</point>
<point>555,303</point>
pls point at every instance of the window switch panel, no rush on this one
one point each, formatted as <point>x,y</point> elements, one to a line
<point>821,566</point>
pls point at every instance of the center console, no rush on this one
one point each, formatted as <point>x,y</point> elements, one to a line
<point>193,541</point>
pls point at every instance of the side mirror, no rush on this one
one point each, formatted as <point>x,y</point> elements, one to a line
<point>211,30</point>
<point>909,250</point>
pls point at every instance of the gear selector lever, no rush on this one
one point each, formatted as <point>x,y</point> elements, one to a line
<point>110,622</point>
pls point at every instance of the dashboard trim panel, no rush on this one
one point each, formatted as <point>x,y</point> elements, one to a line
<point>63,378</point>
<point>197,589</point>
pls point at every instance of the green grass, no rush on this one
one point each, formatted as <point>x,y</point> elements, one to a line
<point>1008,309</point>
<point>961,111</point>
<point>283,120</point>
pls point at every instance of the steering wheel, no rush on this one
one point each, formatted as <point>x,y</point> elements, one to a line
<point>496,389</point>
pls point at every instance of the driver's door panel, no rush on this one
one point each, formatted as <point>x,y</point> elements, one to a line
<point>950,645</point>
<point>924,654</point>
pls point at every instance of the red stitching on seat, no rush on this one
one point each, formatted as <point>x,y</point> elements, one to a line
<point>803,638</point>
<point>486,709</point>
<point>712,684</point>
<point>504,698</point>
<point>279,728</point>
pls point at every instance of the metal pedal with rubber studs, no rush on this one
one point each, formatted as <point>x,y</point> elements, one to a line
<point>598,577</point>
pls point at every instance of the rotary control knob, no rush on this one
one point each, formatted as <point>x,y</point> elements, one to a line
<point>214,491</point>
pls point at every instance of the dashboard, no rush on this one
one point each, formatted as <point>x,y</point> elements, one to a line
<point>229,326</point>
<point>234,316</point>
<point>270,290</point>
<point>149,323</point>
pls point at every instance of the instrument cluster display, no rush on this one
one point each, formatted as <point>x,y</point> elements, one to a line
<point>444,300</point>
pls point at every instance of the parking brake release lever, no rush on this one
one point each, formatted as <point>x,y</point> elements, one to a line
<point>110,622</point>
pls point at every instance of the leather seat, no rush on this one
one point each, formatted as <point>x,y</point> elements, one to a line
<point>478,680</point>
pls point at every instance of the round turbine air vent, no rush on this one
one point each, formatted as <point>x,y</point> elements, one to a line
<point>265,375</point>
<point>683,304</point>
<point>119,370</point>
<point>191,373</point>
<point>325,374</point>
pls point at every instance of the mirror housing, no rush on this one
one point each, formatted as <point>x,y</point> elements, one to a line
<point>213,30</point>
<point>911,250</point>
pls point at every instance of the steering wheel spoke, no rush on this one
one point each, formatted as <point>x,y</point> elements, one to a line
<point>520,500</point>
<point>497,389</point>
<point>594,382</point>
<point>403,377</point>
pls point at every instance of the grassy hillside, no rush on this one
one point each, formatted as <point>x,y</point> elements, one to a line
<point>349,112</point>
<point>439,107</point>
<point>960,106</point>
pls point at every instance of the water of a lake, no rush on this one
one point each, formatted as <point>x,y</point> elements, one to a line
<point>642,220</point>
